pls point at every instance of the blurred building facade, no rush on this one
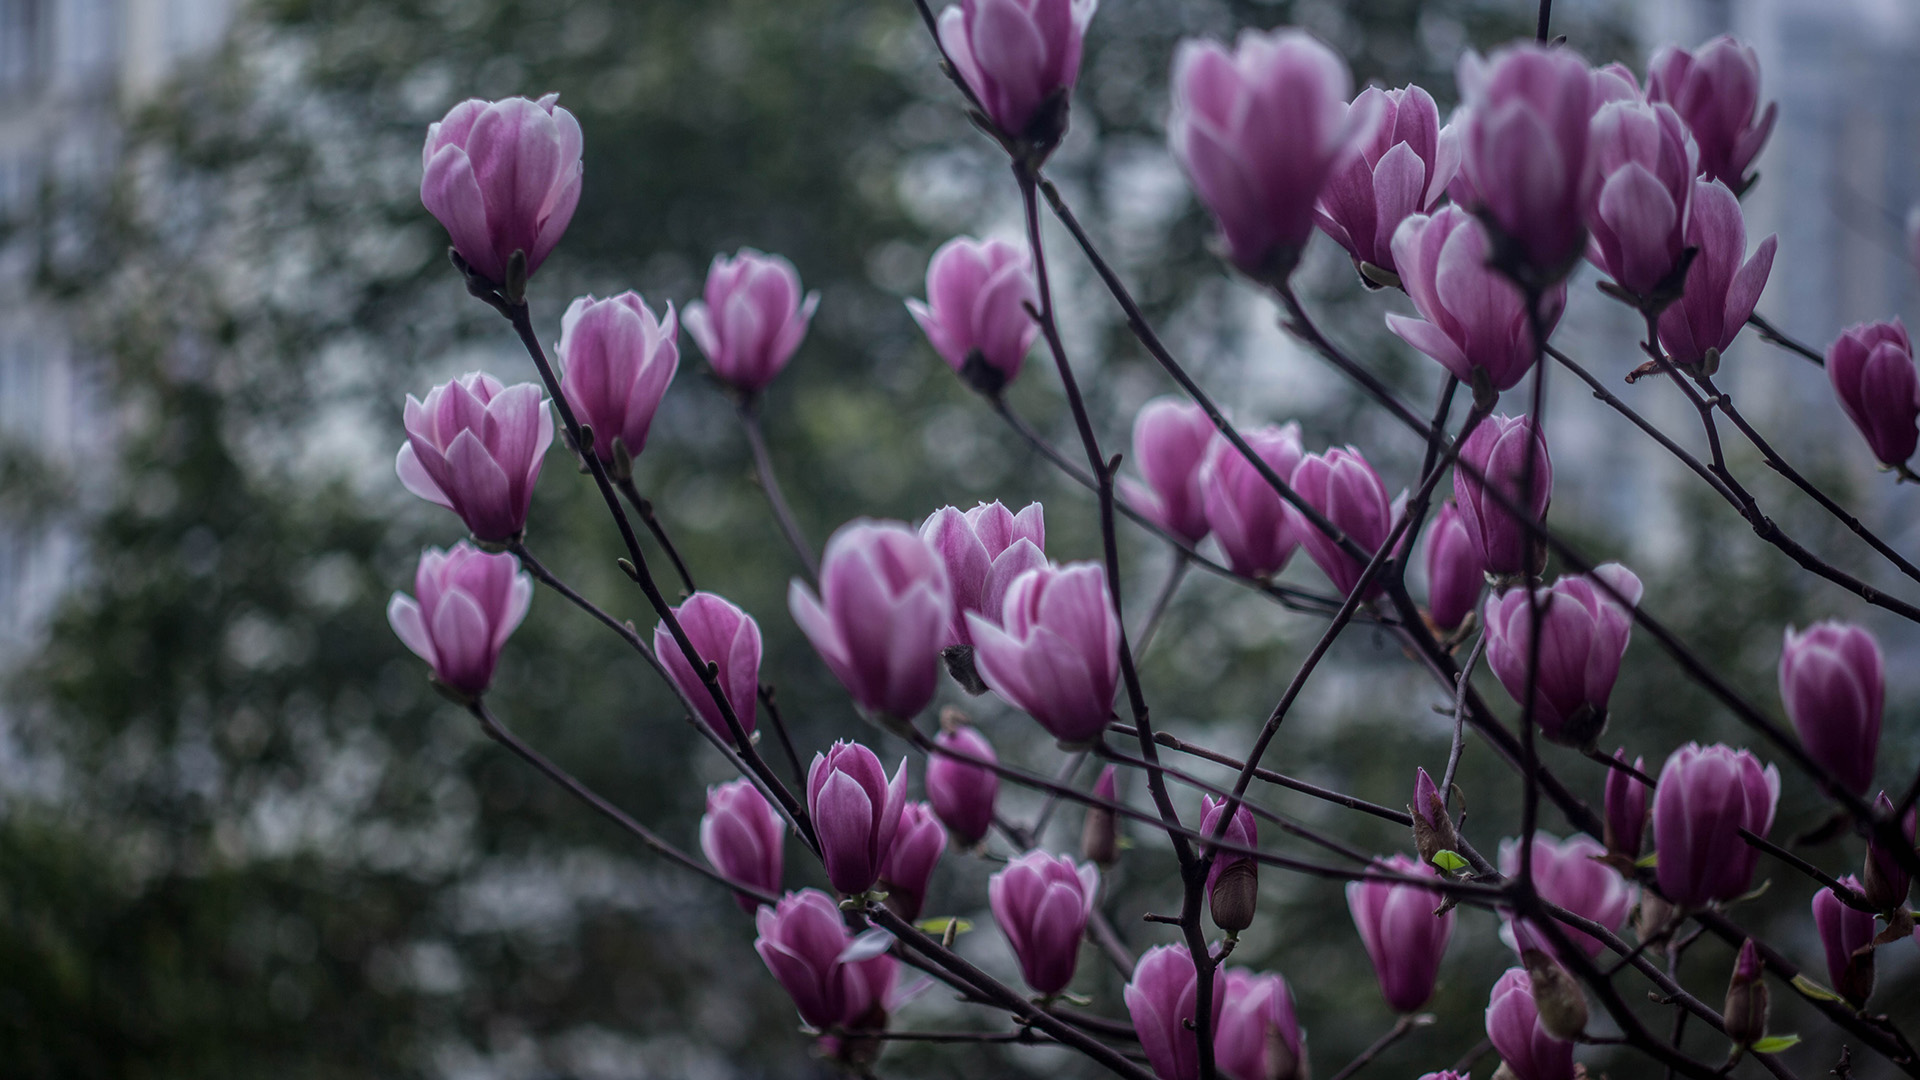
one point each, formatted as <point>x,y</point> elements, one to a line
<point>69,70</point>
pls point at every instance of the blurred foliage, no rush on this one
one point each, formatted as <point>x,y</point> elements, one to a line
<point>271,849</point>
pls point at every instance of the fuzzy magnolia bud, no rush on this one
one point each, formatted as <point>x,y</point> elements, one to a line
<point>1746,1010</point>
<point>1557,997</point>
<point>1433,830</point>
<point>1884,880</point>
<point>1100,835</point>
<point>1233,885</point>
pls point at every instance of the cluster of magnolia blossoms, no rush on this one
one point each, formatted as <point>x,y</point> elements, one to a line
<point>1478,221</point>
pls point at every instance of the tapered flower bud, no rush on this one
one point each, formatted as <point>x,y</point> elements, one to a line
<point>465,603</point>
<point>984,549</point>
<point>1042,903</point>
<point>1526,1048</point>
<point>1723,283</point>
<point>856,813</point>
<point>917,846</point>
<point>742,836</point>
<point>1746,1008</point>
<point>1872,371</point>
<point>1100,832</point>
<point>1524,150</point>
<point>1455,571</point>
<point>804,943</point>
<point>615,362</point>
<point>1404,938</point>
<point>884,608</point>
<point>1557,998</point>
<point>1401,169</point>
<point>503,176</point>
<point>1433,830</point>
<point>1475,320</point>
<point>1652,917</point>
<point>1832,683</point>
<point>1259,1036</point>
<point>722,635</point>
<point>1347,492</point>
<point>962,793</point>
<point>1163,1002</point>
<point>975,314</point>
<point>1020,58</point>
<point>1846,934</point>
<point>1884,880</point>
<point>1058,656</point>
<point>474,446</point>
<point>1259,130</point>
<point>1568,873</point>
<point>1626,808</point>
<point>1254,526</point>
<point>1495,455</point>
<point>750,318</point>
<point>1706,795</point>
<point>1583,637</point>
<point>1233,882</point>
<point>1645,164</point>
<point>1170,440</point>
<point>1716,90</point>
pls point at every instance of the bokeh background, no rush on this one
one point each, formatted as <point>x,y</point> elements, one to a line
<point>241,837</point>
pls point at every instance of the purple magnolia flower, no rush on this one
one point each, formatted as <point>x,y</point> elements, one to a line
<point>1645,164</point>
<point>616,360</point>
<point>1716,90</point>
<point>1846,935</point>
<point>1455,570</point>
<point>884,610</point>
<point>1058,657</point>
<point>1170,440</point>
<point>1042,902</point>
<point>975,313</point>
<point>1163,1000</point>
<point>1626,808</point>
<point>751,317</point>
<point>465,604</point>
<point>1497,453</point>
<point>1475,320</point>
<point>1721,289</point>
<point>917,846</point>
<point>474,446</point>
<point>1259,130</point>
<point>1568,873</point>
<point>1259,1035</point>
<point>1347,492</point>
<point>856,813</point>
<point>803,941</point>
<point>1871,368</point>
<point>1706,795</point>
<point>1404,938</point>
<point>1020,58</point>
<point>1254,526</point>
<point>984,549</point>
<point>503,176</point>
<point>962,794</point>
<point>721,634</point>
<point>1834,690</point>
<point>741,835</point>
<point>1583,637</point>
<point>1524,149</point>
<point>1522,1041</point>
<point>1233,881</point>
<point>1401,169</point>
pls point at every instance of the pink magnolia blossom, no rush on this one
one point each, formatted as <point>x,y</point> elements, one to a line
<point>474,446</point>
<point>1568,873</point>
<point>1721,289</point>
<point>503,176</point>
<point>1872,371</point>
<point>616,361</point>
<point>1404,938</point>
<point>1583,638</point>
<point>984,549</point>
<point>741,834</point>
<point>1042,903</point>
<point>1472,319</point>
<point>1020,58</point>
<point>856,813</point>
<point>1716,90</point>
<point>750,318</point>
<point>465,604</point>
<point>884,608</point>
<point>1170,441</point>
<point>1058,656</point>
<point>1832,682</point>
<point>1402,169</point>
<point>963,793</point>
<point>1256,529</point>
<point>721,634</point>
<point>1645,164</point>
<point>975,314</point>
<point>1163,1000</point>
<point>1705,796</point>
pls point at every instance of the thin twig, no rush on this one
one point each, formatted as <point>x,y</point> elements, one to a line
<point>1460,718</point>
<point>1401,1029</point>
<point>749,411</point>
<point>643,506</point>
<point>1773,335</point>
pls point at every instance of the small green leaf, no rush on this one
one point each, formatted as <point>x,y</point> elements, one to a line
<point>937,926</point>
<point>1651,858</point>
<point>1076,999</point>
<point>1449,861</point>
<point>1773,1044</point>
<point>1813,989</point>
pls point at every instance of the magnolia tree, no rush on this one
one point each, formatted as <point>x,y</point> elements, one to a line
<point>1479,221</point>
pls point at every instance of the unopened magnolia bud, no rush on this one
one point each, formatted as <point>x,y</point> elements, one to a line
<point>1746,1010</point>
<point>1100,835</point>
<point>1883,879</point>
<point>1234,895</point>
<point>1433,830</point>
<point>1846,935</point>
<point>1651,918</point>
<point>1558,998</point>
